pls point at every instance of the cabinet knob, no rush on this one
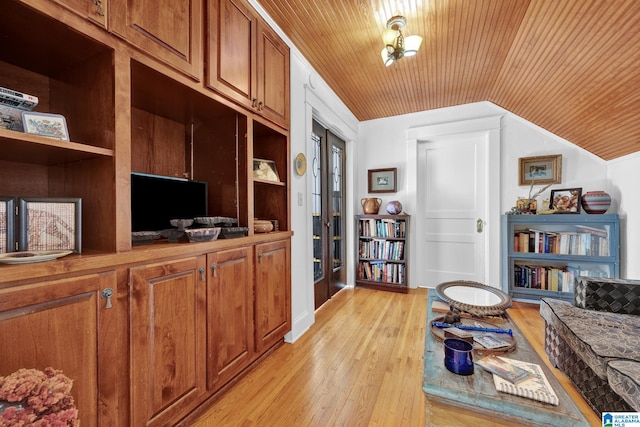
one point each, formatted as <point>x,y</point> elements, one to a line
<point>214,268</point>
<point>107,293</point>
<point>260,257</point>
<point>260,106</point>
<point>99,10</point>
<point>254,102</point>
<point>202,276</point>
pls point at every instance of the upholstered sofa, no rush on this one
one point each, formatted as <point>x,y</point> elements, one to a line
<point>596,341</point>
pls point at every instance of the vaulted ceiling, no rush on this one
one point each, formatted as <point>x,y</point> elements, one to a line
<point>569,66</point>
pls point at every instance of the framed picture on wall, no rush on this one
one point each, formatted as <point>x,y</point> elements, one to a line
<point>540,169</point>
<point>383,180</point>
<point>49,224</point>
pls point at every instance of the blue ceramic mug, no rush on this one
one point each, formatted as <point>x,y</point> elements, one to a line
<point>458,356</point>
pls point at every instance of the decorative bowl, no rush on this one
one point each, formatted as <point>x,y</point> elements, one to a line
<point>202,234</point>
<point>262,226</point>
<point>172,234</point>
<point>216,221</point>
<point>394,207</point>
<point>181,223</point>
<point>144,237</point>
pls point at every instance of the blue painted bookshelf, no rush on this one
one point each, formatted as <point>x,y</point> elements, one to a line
<point>542,255</point>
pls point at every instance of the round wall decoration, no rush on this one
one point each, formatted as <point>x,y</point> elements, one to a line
<point>301,164</point>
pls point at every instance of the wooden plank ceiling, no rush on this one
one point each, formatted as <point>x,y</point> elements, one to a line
<point>569,66</point>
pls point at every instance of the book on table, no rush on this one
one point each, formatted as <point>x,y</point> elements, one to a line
<point>535,386</point>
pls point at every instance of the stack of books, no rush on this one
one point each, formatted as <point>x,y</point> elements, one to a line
<point>12,104</point>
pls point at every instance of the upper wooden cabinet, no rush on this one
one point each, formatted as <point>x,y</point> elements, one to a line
<point>247,61</point>
<point>169,30</point>
<point>95,10</point>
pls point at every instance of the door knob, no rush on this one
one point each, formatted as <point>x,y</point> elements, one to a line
<point>479,225</point>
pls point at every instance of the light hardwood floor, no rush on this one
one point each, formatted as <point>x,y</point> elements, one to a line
<point>360,364</point>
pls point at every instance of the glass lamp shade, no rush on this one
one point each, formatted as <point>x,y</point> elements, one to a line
<point>389,36</point>
<point>386,58</point>
<point>411,45</point>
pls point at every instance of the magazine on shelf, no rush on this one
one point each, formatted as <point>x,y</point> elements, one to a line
<point>535,387</point>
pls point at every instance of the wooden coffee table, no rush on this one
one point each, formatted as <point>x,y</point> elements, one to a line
<point>477,394</point>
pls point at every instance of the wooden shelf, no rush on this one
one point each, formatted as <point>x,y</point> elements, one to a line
<point>26,148</point>
<point>264,181</point>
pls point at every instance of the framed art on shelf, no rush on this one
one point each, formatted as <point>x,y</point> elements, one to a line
<point>44,124</point>
<point>49,224</point>
<point>383,180</point>
<point>540,169</point>
<point>566,200</point>
<point>265,170</point>
<point>6,224</point>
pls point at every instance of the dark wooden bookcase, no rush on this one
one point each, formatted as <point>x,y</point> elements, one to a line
<point>381,252</point>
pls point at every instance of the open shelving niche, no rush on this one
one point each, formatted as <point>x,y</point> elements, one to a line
<point>71,75</point>
<point>180,132</point>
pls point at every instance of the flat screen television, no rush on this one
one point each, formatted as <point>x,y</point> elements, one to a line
<point>157,199</point>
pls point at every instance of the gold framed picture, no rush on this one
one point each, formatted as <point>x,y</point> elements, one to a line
<point>540,169</point>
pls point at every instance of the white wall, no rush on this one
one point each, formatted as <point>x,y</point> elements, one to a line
<point>382,144</point>
<point>624,176</point>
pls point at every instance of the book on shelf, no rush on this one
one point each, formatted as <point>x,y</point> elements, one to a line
<point>19,100</point>
<point>587,241</point>
<point>535,387</point>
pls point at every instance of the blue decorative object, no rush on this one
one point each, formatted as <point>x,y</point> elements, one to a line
<point>394,207</point>
<point>458,356</point>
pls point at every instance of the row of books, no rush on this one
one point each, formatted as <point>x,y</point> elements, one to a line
<point>380,271</point>
<point>587,243</point>
<point>382,227</point>
<point>12,104</point>
<point>382,249</point>
<point>551,278</point>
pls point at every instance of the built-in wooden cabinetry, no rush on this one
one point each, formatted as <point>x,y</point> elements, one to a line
<point>247,60</point>
<point>66,324</point>
<point>168,340</point>
<point>230,314</point>
<point>171,31</point>
<point>184,319</point>
<point>273,294</point>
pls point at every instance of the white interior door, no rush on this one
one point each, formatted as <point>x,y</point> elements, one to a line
<point>451,196</point>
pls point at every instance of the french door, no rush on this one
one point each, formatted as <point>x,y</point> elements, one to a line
<point>328,210</point>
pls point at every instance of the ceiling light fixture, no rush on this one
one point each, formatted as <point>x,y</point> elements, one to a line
<point>396,44</point>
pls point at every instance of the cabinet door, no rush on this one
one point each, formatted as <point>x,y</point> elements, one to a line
<point>230,314</point>
<point>167,326</point>
<point>171,30</point>
<point>231,50</point>
<point>95,10</point>
<point>273,76</point>
<point>65,324</point>
<point>272,293</point>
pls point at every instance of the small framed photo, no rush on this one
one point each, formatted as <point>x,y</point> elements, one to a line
<point>7,216</point>
<point>383,180</point>
<point>540,169</point>
<point>265,170</point>
<point>49,224</point>
<point>44,124</point>
<point>566,200</point>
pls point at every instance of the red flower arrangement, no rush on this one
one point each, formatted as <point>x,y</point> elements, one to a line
<point>29,397</point>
